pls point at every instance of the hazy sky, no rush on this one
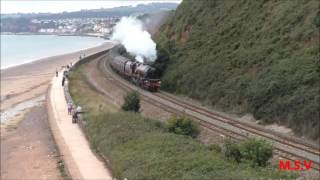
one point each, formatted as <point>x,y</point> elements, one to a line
<point>29,6</point>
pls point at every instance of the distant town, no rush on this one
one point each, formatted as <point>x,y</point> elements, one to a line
<point>89,26</point>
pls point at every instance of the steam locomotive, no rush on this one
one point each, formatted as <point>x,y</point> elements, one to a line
<point>141,74</point>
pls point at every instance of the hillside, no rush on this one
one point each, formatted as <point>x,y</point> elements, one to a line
<point>153,21</point>
<point>259,57</point>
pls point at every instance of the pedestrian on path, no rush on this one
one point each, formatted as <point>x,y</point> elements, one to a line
<point>75,116</point>
<point>63,79</point>
<point>69,108</point>
<point>56,73</point>
<point>79,109</point>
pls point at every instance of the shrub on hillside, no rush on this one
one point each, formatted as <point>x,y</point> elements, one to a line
<point>258,152</point>
<point>232,151</point>
<point>183,126</point>
<point>255,151</point>
<point>131,102</point>
<point>215,147</point>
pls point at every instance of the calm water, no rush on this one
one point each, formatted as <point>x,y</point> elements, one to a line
<point>19,49</point>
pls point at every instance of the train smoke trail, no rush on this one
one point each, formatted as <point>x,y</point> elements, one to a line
<point>130,33</point>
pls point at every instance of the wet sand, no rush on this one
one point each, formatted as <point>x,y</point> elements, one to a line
<point>28,150</point>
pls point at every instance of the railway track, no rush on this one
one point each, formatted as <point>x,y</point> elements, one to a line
<point>257,132</point>
<point>285,148</point>
<point>248,126</point>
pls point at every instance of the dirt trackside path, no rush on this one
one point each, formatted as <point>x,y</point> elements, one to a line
<point>80,161</point>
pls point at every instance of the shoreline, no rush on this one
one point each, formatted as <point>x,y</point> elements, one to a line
<point>55,34</point>
<point>32,78</point>
<point>53,55</point>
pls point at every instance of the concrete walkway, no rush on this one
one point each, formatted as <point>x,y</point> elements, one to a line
<point>80,161</point>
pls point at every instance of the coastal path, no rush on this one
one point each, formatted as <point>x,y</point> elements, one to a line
<point>79,159</point>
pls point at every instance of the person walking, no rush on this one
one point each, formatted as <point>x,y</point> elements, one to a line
<point>69,108</point>
<point>76,113</point>
<point>63,79</point>
<point>56,73</point>
<point>74,116</point>
<point>79,109</point>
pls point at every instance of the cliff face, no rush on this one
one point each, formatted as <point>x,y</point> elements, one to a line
<point>244,56</point>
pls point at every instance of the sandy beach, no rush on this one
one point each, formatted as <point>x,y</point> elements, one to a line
<point>24,127</point>
<point>30,80</point>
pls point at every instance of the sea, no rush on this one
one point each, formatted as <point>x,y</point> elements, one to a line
<point>20,49</point>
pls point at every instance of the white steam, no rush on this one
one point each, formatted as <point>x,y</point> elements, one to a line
<point>130,33</point>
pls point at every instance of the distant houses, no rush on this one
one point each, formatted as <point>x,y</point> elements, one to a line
<point>89,26</point>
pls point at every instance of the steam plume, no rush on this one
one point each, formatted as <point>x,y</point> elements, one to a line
<point>130,33</point>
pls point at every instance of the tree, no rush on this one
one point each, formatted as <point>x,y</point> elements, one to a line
<point>131,102</point>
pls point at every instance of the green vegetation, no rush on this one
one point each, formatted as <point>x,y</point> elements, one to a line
<point>131,102</point>
<point>215,147</point>
<point>85,95</point>
<point>242,56</point>
<point>183,126</point>
<point>258,152</point>
<point>141,148</point>
<point>232,151</point>
<point>255,152</point>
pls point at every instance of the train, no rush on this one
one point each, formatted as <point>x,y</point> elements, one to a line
<point>143,75</point>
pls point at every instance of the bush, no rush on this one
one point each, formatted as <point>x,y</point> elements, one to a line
<point>131,102</point>
<point>215,147</point>
<point>232,151</point>
<point>258,152</point>
<point>183,126</point>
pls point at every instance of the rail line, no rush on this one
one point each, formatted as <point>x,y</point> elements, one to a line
<point>281,147</point>
<point>252,129</point>
<point>248,127</point>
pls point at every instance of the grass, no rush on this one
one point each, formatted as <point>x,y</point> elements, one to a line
<point>141,148</point>
<point>259,57</point>
<point>86,96</point>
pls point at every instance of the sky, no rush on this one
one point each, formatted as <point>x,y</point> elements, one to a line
<point>43,6</point>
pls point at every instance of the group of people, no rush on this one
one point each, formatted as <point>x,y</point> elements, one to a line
<point>80,57</point>
<point>74,112</point>
<point>66,70</point>
<point>65,74</point>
